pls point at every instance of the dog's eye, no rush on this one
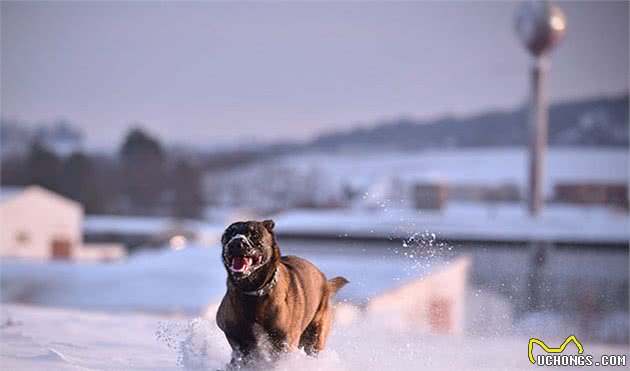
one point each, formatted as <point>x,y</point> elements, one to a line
<point>226,236</point>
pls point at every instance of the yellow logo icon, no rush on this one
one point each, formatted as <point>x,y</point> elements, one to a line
<point>560,349</point>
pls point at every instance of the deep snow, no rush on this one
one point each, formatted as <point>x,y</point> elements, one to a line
<point>54,339</point>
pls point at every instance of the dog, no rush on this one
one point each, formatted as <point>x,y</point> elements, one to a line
<point>281,301</point>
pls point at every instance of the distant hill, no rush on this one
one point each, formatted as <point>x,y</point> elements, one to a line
<point>590,122</point>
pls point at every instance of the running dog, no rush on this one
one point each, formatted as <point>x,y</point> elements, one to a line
<point>283,301</point>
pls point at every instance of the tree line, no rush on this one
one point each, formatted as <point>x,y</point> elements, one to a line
<point>142,178</point>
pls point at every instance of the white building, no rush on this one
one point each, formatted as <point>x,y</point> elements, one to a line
<point>37,223</point>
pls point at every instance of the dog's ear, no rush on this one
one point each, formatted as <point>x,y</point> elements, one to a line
<point>269,224</point>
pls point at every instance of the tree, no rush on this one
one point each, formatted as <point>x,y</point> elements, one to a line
<point>188,194</point>
<point>44,167</point>
<point>143,172</point>
<point>74,172</point>
<point>14,171</point>
<point>83,183</point>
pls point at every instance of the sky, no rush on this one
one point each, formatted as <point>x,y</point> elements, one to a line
<point>213,74</point>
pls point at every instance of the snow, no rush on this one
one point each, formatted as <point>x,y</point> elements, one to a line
<point>164,281</point>
<point>183,281</point>
<point>156,311</point>
<point>206,233</point>
<point>472,166</point>
<point>464,221</point>
<point>35,338</point>
<point>327,176</point>
<point>126,224</point>
<point>55,339</point>
<point>9,192</point>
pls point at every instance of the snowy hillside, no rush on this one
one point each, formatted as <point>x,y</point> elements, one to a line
<point>330,179</point>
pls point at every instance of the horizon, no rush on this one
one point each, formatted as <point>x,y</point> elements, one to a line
<point>230,147</point>
<point>104,81</point>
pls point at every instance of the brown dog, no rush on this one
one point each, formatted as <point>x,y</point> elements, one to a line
<point>278,300</point>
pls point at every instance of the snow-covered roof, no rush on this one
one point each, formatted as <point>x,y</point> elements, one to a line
<point>8,192</point>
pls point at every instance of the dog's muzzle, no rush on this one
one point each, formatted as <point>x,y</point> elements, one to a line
<point>240,257</point>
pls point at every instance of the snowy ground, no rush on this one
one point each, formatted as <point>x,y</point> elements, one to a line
<point>36,338</point>
<point>184,281</point>
<point>156,311</point>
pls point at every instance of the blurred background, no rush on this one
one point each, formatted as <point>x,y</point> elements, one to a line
<point>389,141</point>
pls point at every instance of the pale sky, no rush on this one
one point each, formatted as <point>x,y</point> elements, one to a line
<point>207,73</point>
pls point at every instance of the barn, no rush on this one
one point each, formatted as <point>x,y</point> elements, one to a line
<point>38,223</point>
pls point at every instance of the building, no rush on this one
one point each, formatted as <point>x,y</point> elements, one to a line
<point>36,223</point>
<point>433,304</point>
<point>592,193</point>
<point>430,195</point>
<point>476,192</point>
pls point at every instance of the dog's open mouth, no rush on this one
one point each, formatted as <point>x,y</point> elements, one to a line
<point>244,264</point>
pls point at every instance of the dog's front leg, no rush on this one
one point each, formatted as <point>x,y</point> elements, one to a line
<point>282,342</point>
<point>237,361</point>
<point>242,354</point>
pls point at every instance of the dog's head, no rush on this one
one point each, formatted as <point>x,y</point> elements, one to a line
<point>248,247</point>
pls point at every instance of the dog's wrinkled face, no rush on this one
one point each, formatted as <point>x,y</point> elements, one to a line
<point>247,246</point>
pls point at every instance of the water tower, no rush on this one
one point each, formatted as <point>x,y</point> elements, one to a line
<point>540,25</point>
